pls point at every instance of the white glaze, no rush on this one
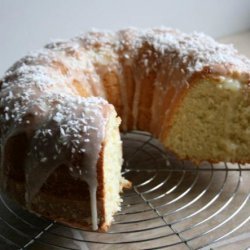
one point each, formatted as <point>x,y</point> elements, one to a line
<point>230,84</point>
<point>40,86</point>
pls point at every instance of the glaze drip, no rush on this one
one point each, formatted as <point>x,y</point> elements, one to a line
<point>42,95</point>
<point>62,129</point>
<point>72,135</point>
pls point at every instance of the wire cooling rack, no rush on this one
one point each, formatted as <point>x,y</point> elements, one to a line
<point>172,205</point>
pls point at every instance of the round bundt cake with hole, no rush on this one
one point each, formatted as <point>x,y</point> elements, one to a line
<point>61,152</point>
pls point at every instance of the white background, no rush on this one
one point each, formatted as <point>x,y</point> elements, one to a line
<point>26,25</point>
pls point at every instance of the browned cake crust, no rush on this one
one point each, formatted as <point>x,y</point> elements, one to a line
<point>62,197</point>
<point>50,120</point>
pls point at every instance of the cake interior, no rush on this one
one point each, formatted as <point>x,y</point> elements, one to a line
<point>212,122</point>
<point>112,163</point>
<point>64,198</point>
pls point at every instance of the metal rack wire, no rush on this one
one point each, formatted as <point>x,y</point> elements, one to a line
<point>173,205</point>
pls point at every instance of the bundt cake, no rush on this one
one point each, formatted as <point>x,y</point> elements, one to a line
<point>61,151</point>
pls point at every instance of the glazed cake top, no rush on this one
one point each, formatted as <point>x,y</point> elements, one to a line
<point>37,95</point>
